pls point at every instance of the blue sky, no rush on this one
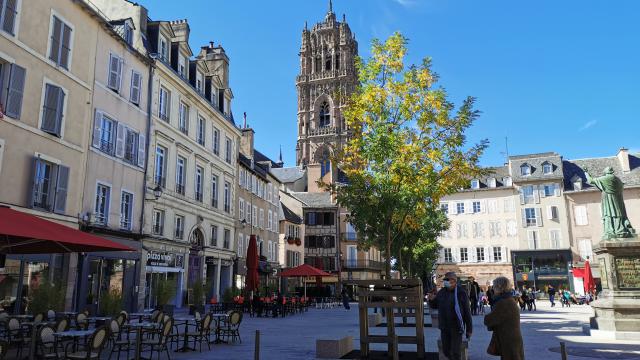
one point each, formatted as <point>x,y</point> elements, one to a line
<point>550,75</point>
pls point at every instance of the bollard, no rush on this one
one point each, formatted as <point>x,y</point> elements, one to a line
<point>256,353</point>
<point>563,350</point>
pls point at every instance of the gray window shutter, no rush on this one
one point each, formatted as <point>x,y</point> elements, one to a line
<point>521,196</point>
<point>59,111</point>
<point>538,217</point>
<point>54,51</point>
<point>136,83</point>
<point>536,193</point>
<point>10,13</point>
<point>61,190</point>
<point>142,147</point>
<point>34,183</point>
<point>97,129</point>
<point>14,94</point>
<point>120,139</point>
<point>524,218</point>
<point>542,193</point>
<point>65,49</point>
<point>556,189</point>
<point>114,63</point>
<point>50,108</point>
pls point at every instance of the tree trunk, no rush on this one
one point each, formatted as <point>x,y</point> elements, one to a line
<point>388,265</point>
<point>400,265</point>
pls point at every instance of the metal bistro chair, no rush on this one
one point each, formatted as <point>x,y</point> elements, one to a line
<point>159,343</point>
<point>4,347</point>
<point>203,332</point>
<point>51,315</point>
<point>82,321</point>
<point>231,328</point>
<point>117,340</point>
<point>92,349</point>
<point>14,335</point>
<point>47,346</point>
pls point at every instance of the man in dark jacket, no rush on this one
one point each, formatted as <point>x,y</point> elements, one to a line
<point>454,315</point>
<point>474,293</point>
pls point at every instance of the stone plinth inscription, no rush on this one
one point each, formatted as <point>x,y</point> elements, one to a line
<point>628,270</point>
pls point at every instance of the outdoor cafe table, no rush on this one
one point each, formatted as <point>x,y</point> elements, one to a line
<point>186,319</point>
<point>139,327</point>
<point>74,334</point>
<point>96,319</point>
<point>34,327</point>
<point>218,318</point>
<point>140,315</point>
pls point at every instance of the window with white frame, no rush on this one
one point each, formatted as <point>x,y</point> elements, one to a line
<point>105,136</point>
<point>53,110</point>
<point>532,217</point>
<point>492,206</point>
<point>126,210</point>
<point>8,15</point>
<point>199,82</point>
<point>475,184</point>
<point>534,239</point>
<point>270,221</point>
<point>227,197</point>
<point>136,87</point>
<point>491,182</point>
<point>201,130</point>
<point>580,213</point>
<point>509,205</point>
<point>240,245</point>
<point>464,254</point>
<point>585,249</point>
<point>460,208</point>
<point>480,254</point>
<point>478,229</point>
<point>183,118</point>
<point>576,181</point>
<point>213,241</point>
<point>552,212</point>
<point>181,164</point>
<point>133,147</point>
<point>228,149</point>
<point>495,229</point>
<point>179,227</point>
<point>527,194</point>
<point>477,207</point>
<point>11,92</point>
<point>164,104</point>
<point>525,170</point>
<point>216,141</point>
<point>550,189</point>
<point>199,183</point>
<point>261,219</point>
<point>497,254</point>
<point>448,256</point>
<point>554,239</point>
<point>269,190</point>
<point>103,197</point>
<point>506,181</point>
<point>164,49</point>
<point>226,240</point>
<point>241,209</point>
<point>247,215</point>
<point>444,207</point>
<point>158,222</point>
<point>60,44</point>
<point>214,190</point>
<point>182,69</point>
<point>114,78</point>
<point>128,33</point>
<point>461,230</point>
<point>159,174</point>
<point>547,168</point>
<point>254,216</point>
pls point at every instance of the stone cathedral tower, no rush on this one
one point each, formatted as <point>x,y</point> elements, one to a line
<point>327,77</point>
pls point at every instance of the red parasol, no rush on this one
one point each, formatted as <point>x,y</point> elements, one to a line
<point>589,283</point>
<point>303,270</point>
<point>251,281</point>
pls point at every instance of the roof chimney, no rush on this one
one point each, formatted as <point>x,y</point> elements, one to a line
<point>244,125</point>
<point>623,159</point>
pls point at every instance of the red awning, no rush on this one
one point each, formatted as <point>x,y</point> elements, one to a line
<point>22,233</point>
<point>303,270</point>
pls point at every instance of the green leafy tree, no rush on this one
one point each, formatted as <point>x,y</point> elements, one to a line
<point>407,148</point>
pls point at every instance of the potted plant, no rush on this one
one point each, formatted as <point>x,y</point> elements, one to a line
<point>47,296</point>
<point>290,240</point>
<point>197,301</point>
<point>298,241</point>
<point>164,291</point>
<point>111,302</point>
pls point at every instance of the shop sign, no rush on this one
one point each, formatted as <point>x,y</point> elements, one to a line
<point>165,259</point>
<point>210,260</point>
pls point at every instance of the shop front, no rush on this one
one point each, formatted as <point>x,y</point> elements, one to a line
<point>540,268</point>
<point>239,273</point>
<point>164,265</point>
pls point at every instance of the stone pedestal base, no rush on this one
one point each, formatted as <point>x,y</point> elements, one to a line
<point>617,310</point>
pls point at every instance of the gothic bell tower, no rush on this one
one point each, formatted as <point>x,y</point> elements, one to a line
<point>327,78</point>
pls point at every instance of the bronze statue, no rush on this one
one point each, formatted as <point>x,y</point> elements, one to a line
<point>614,215</point>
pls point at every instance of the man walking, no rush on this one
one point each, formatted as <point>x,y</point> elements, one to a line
<point>474,294</point>
<point>454,315</point>
<point>552,295</point>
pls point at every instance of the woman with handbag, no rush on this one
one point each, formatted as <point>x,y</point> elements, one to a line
<point>504,321</point>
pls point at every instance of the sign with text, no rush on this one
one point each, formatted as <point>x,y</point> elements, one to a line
<point>166,259</point>
<point>628,269</point>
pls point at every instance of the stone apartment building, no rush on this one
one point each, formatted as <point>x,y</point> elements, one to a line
<point>584,200</point>
<point>483,229</point>
<point>258,211</point>
<point>46,123</point>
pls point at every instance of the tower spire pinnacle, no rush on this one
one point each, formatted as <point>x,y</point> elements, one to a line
<point>330,6</point>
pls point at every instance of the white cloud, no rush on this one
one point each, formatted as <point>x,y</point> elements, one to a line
<point>405,3</point>
<point>588,124</point>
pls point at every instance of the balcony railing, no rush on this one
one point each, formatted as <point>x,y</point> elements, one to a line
<point>106,147</point>
<point>349,236</point>
<point>326,130</point>
<point>179,234</point>
<point>180,188</point>
<point>199,196</point>
<point>362,264</point>
<point>160,181</point>
<point>321,75</point>
<point>158,229</point>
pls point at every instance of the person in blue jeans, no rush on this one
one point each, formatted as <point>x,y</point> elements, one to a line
<point>345,298</point>
<point>552,295</point>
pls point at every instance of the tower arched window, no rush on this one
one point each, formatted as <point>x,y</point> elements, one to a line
<point>337,61</point>
<point>325,115</point>
<point>318,64</point>
<point>327,64</point>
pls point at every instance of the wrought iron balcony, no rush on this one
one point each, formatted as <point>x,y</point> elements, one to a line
<point>180,189</point>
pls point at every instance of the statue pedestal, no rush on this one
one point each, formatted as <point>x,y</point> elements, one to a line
<point>617,310</point>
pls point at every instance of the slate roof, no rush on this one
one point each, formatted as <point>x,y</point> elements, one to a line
<point>289,215</point>
<point>536,161</point>
<point>314,200</point>
<point>497,173</point>
<point>288,174</point>
<point>596,167</point>
<point>260,169</point>
<point>260,157</point>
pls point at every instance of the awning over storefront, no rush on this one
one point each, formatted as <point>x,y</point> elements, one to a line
<point>22,233</point>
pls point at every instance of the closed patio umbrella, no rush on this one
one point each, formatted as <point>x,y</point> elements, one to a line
<point>589,283</point>
<point>252,281</point>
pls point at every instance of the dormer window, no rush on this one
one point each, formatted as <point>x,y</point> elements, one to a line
<point>506,181</point>
<point>199,82</point>
<point>577,182</point>
<point>128,33</point>
<point>491,182</point>
<point>182,70</point>
<point>547,168</point>
<point>525,169</point>
<point>475,184</point>
<point>163,49</point>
